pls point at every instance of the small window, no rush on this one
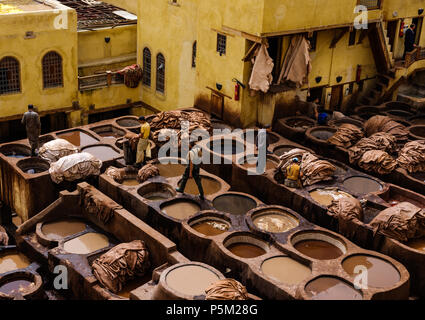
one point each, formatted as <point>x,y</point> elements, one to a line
<point>313,41</point>
<point>221,43</point>
<point>146,80</point>
<point>160,73</point>
<point>10,80</point>
<point>352,39</point>
<point>194,55</point>
<point>52,70</point>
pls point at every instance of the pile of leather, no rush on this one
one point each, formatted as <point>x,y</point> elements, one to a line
<point>118,174</point>
<point>286,158</point>
<point>315,170</point>
<point>53,150</point>
<point>4,238</point>
<point>146,172</point>
<point>346,135</point>
<point>122,263</point>
<point>401,222</point>
<point>97,204</point>
<point>378,141</point>
<point>346,208</point>
<point>412,156</point>
<point>173,120</point>
<point>377,161</point>
<point>388,125</point>
<point>227,289</point>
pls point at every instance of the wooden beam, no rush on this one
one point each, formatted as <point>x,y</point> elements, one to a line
<point>338,37</point>
<point>243,34</point>
<point>250,51</point>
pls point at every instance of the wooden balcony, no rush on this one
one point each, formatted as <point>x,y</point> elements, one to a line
<point>100,80</point>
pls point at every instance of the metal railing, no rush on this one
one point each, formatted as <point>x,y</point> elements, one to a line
<point>100,80</point>
<point>413,56</point>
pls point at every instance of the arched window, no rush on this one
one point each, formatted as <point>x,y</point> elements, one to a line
<point>10,80</point>
<point>160,73</point>
<point>147,67</point>
<point>194,55</point>
<point>52,70</point>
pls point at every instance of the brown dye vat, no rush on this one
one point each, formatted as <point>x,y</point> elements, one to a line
<point>318,249</point>
<point>128,122</point>
<point>211,227</point>
<point>86,243</point>
<point>170,170</point>
<point>246,250</point>
<point>15,151</point>
<point>300,123</point>
<point>234,204</point>
<point>380,273</point>
<point>227,147</point>
<point>33,165</point>
<point>325,196</point>
<point>282,150</point>
<point>418,175</point>
<point>133,284</point>
<point>362,185</point>
<point>181,209</point>
<point>417,244</point>
<point>103,153</point>
<point>13,261</point>
<point>322,134</point>
<point>78,138</point>
<point>130,182</point>
<point>285,270</point>
<point>191,279</point>
<point>16,287</point>
<point>328,288</point>
<point>110,135</point>
<point>62,229</point>
<point>275,222</point>
<point>400,113</point>
<point>210,186</point>
<point>269,165</point>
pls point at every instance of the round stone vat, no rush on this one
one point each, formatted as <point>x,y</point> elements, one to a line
<point>108,131</point>
<point>417,120</point>
<point>380,273</point>
<point>226,146</point>
<point>417,132</point>
<point>102,152</point>
<point>11,260</point>
<point>59,229</point>
<point>366,109</point>
<point>234,203</point>
<point>130,181</point>
<point>180,209</point>
<point>78,138</point>
<point>156,191</point>
<point>247,135</point>
<point>299,123</point>
<point>87,243</point>
<point>399,113</point>
<point>128,122</point>
<point>417,244</point>
<point>331,288</point>
<point>171,167</point>
<point>20,284</point>
<point>362,185</point>
<point>395,105</point>
<point>318,245</point>
<point>33,165</point>
<point>326,196</point>
<point>15,150</point>
<point>250,163</point>
<point>286,270</point>
<point>282,149</point>
<point>186,281</point>
<point>340,122</point>
<point>321,134</point>
<point>210,186</point>
<point>273,219</point>
<point>210,224</point>
<point>245,245</point>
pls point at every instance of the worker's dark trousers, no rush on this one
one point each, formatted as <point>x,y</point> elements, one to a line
<point>195,175</point>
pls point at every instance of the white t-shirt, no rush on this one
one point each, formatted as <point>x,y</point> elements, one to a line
<point>194,156</point>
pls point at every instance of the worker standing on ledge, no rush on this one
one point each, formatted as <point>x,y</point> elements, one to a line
<point>192,170</point>
<point>143,144</point>
<point>293,174</point>
<point>31,121</point>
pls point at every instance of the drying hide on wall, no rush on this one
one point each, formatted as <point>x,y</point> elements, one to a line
<point>297,64</point>
<point>261,76</point>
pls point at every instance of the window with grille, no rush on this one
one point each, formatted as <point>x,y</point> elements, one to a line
<point>194,55</point>
<point>10,81</point>
<point>221,43</point>
<point>52,70</point>
<point>160,73</point>
<point>147,67</point>
<point>370,4</point>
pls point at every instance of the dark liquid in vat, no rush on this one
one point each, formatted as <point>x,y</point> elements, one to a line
<point>103,153</point>
<point>327,288</point>
<point>362,185</point>
<point>78,138</point>
<point>246,250</point>
<point>318,249</point>
<point>211,227</point>
<point>16,286</point>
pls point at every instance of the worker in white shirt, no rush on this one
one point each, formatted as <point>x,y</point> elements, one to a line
<point>192,170</point>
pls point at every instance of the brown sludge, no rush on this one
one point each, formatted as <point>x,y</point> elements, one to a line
<point>13,261</point>
<point>103,153</point>
<point>209,185</point>
<point>16,287</point>
<point>211,227</point>
<point>328,288</point>
<point>318,249</point>
<point>130,182</point>
<point>326,196</point>
<point>285,270</point>
<point>362,185</point>
<point>246,250</point>
<point>275,222</point>
<point>181,209</point>
<point>170,170</point>
<point>78,138</point>
<point>61,229</point>
<point>86,243</point>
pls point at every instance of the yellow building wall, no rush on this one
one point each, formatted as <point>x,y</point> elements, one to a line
<point>30,52</point>
<point>404,9</point>
<point>170,29</point>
